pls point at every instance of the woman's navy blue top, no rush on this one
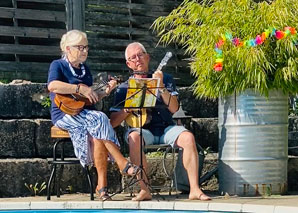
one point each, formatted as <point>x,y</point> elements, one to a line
<point>59,70</point>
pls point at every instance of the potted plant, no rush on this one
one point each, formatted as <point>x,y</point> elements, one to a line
<point>243,52</point>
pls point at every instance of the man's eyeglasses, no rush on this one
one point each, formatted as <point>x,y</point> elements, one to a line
<point>134,57</point>
<point>81,47</point>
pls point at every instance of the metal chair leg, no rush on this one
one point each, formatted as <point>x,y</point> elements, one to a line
<point>59,179</point>
<point>175,181</point>
<point>53,174</point>
<point>172,174</point>
<point>61,167</point>
<point>87,172</point>
<point>61,161</point>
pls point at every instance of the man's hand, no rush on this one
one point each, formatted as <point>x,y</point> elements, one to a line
<point>127,110</point>
<point>158,74</point>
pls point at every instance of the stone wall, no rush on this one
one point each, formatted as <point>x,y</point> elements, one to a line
<point>25,143</point>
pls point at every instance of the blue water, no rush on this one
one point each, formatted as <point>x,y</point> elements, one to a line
<point>105,211</point>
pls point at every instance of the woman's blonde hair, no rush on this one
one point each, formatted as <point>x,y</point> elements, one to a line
<point>71,38</point>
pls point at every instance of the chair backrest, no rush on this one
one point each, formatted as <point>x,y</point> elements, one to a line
<point>180,118</point>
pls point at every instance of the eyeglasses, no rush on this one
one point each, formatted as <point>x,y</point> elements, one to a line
<point>134,57</point>
<point>81,47</point>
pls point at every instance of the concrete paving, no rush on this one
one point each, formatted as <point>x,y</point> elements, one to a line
<point>271,204</point>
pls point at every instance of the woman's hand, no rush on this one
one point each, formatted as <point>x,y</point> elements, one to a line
<point>111,85</point>
<point>88,93</point>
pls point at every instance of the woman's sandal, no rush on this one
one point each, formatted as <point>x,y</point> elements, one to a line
<point>136,169</point>
<point>105,196</point>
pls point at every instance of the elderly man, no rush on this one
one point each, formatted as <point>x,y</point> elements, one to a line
<point>161,129</point>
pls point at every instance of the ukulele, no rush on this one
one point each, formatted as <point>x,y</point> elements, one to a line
<point>138,118</point>
<point>73,104</point>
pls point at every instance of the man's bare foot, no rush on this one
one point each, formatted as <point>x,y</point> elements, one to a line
<point>143,195</point>
<point>201,196</point>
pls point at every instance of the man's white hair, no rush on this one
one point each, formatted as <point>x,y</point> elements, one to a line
<point>133,44</point>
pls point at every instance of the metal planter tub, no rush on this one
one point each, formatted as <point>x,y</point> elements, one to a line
<point>253,143</point>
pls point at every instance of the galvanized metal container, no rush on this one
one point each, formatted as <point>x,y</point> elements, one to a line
<point>253,143</point>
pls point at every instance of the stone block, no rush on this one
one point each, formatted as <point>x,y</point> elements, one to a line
<point>205,131</point>
<point>84,205</point>
<point>159,180</point>
<point>293,124</point>
<point>293,135</point>
<point>197,107</point>
<point>191,206</point>
<point>128,204</point>
<point>231,207</point>
<point>292,173</point>
<point>44,142</point>
<point>14,206</point>
<point>23,100</point>
<point>162,205</point>
<point>25,138</point>
<point>17,138</point>
<point>48,205</point>
<point>156,175</point>
<point>14,173</point>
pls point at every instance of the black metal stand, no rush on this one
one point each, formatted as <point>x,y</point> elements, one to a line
<point>143,90</point>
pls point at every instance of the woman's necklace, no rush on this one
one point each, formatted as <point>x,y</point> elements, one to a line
<point>82,67</point>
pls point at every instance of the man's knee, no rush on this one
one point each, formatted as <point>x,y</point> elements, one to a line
<point>186,139</point>
<point>134,138</point>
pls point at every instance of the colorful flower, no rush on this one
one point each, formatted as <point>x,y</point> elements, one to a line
<point>259,40</point>
<point>279,34</point>
<point>236,41</point>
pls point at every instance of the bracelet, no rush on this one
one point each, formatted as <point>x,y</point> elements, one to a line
<point>78,88</point>
<point>163,90</point>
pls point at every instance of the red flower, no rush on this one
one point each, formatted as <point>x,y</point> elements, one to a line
<point>279,34</point>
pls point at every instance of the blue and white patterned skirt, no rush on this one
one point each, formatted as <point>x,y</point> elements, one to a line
<point>88,122</point>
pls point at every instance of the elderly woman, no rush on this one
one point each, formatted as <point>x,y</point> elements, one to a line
<point>91,132</point>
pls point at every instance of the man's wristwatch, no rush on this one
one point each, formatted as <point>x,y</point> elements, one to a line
<point>163,90</point>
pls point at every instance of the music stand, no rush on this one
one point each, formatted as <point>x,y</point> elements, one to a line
<point>140,93</point>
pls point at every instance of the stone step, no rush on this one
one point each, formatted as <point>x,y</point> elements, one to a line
<point>30,138</point>
<point>23,99</point>
<point>16,172</point>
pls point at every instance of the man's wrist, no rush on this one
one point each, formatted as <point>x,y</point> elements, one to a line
<point>162,90</point>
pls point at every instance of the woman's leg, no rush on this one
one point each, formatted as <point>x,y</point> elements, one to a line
<point>116,154</point>
<point>100,155</point>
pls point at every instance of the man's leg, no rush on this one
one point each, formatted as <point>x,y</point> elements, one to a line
<point>134,153</point>
<point>190,161</point>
